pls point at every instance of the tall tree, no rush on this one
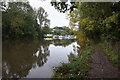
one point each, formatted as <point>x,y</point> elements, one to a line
<point>43,21</point>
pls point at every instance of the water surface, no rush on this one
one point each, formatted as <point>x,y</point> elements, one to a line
<point>35,58</point>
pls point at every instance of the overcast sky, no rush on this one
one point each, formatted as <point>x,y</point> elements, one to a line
<point>56,18</point>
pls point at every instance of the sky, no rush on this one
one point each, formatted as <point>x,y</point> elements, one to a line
<point>56,18</point>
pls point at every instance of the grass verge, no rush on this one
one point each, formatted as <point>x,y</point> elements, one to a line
<point>77,68</point>
<point>111,54</point>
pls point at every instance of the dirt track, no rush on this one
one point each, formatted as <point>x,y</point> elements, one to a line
<point>101,67</point>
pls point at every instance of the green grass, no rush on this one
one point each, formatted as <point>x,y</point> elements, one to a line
<point>111,54</point>
<point>77,68</point>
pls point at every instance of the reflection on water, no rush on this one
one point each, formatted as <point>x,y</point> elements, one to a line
<point>34,58</point>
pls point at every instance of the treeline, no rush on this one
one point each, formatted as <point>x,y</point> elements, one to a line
<point>61,31</point>
<point>20,20</point>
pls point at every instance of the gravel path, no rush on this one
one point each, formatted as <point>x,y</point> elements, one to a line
<point>101,67</point>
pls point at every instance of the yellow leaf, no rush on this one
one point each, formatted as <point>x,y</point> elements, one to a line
<point>112,18</point>
<point>106,25</point>
<point>90,28</point>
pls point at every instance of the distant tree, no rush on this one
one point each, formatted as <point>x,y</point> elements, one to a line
<point>43,21</point>
<point>62,30</point>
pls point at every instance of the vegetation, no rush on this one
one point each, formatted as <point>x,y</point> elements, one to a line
<point>78,67</point>
<point>19,20</point>
<point>43,22</point>
<point>95,22</point>
<point>98,25</point>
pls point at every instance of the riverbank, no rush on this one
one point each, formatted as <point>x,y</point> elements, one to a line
<point>94,61</point>
<point>78,67</point>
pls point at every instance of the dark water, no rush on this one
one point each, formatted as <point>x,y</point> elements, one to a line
<point>35,58</point>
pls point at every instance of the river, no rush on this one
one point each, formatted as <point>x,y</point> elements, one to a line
<point>35,58</point>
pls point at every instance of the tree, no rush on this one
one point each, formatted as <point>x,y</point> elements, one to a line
<point>62,6</point>
<point>90,17</point>
<point>95,20</point>
<point>19,20</point>
<point>43,21</point>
